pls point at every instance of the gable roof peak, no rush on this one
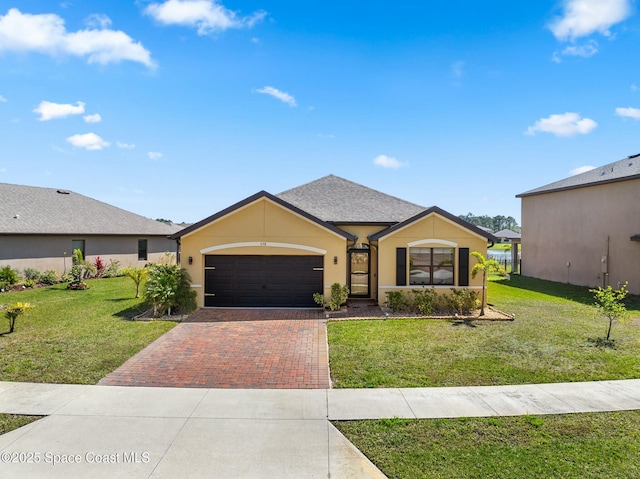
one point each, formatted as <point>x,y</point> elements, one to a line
<point>337,200</point>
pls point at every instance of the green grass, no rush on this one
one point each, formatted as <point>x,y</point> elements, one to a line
<point>564,447</point>
<point>551,340</point>
<point>74,337</point>
<point>9,422</point>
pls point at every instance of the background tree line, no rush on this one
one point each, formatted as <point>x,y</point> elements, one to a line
<point>495,223</point>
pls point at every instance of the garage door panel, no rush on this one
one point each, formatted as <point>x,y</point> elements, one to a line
<point>268,281</point>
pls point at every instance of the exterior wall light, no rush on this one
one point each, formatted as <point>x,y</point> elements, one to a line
<point>335,260</point>
<point>190,259</point>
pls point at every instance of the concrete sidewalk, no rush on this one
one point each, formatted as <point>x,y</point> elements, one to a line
<point>114,431</point>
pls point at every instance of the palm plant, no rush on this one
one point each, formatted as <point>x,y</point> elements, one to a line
<point>485,266</point>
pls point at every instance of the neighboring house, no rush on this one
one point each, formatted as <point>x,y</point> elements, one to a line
<point>507,236</point>
<point>40,228</point>
<point>585,229</point>
<point>277,250</point>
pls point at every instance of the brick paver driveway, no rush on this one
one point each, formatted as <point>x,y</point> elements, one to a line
<point>234,349</point>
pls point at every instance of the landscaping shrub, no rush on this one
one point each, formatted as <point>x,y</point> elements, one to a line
<point>396,301</point>
<point>4,286</point>
<point>112,269</point>
<point>31,274</point>
<point>339,295</point>
<point>49,277</point>
<point>425,300</point>
<point>77,276</point>
<point>168,289</point>
<point>100,267</point>
<point>9,275</point>
<point>463,301</point>
<point>29,283</point>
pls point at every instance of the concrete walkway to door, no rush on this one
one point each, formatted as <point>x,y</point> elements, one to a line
<point>233,349</point>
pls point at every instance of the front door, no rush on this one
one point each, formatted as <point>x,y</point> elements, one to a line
<point>359,273</point>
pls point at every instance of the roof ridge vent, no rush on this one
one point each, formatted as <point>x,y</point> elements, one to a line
<point>62,192</point>
<point>634,156</point>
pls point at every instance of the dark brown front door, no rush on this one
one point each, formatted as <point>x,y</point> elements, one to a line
<point>359,273</point>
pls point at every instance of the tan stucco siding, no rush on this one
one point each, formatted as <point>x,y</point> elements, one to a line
<point>431,231</point>
<point>566,234</point>
<point>263,228</point>
<point>48,252</point>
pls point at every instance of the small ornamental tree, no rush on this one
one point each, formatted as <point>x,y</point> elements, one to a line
<point>138,275</point>
<point>484,266</point>
<point>14,311</point>
<point>609,303</point>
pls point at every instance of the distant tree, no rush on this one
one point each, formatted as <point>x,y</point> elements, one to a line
<point>495,223</point>
<point>162,220</point>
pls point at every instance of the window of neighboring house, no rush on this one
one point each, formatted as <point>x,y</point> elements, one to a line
<point>431,266</point>
<point>142,250</point>
<point>78,244</point>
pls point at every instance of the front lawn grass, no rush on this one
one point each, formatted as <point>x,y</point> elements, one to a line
<point>551,340</point>
<point>593,445</point>
<point>9,422</point>
<point>74,337</point>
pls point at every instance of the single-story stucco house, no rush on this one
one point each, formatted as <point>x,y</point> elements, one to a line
<point>40,228</point>
<point>278,250</point>
<point>507,236</point>
<point>585,229</point>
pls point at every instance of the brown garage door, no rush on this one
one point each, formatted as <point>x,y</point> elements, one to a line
<point>262,281</point>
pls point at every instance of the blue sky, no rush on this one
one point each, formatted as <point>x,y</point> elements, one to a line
<point>179,108</point>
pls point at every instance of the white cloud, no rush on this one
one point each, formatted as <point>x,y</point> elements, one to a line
<point>628,113</point>
<point>49,110</point>
<point>280,95</point>
<point>98,20</point>
<point>125,146</point>
<point>585,51</point>
<point>88,141</point>
<point>154,155</point>
<point>387,162</point>
<point>3,99</point>
<point>582,169</point>
<point>634,87</point>
<point>95,118</point>
<point>46,33</point>
<point>581,18</point>
<point>565,124</point>
<point>208,16</point>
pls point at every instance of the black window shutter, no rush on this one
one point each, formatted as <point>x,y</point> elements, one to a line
<point>401,266</point>
<point>463,266</point>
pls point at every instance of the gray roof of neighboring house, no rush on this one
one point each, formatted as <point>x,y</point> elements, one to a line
<point>626,169</point>
<point>507,233</point>
<point>337,200</point>
<point>34,210</point>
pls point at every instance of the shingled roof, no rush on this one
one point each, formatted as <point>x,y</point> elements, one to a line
<point>34,210</point>
<point>622,170</point>
<point>336,200</point>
